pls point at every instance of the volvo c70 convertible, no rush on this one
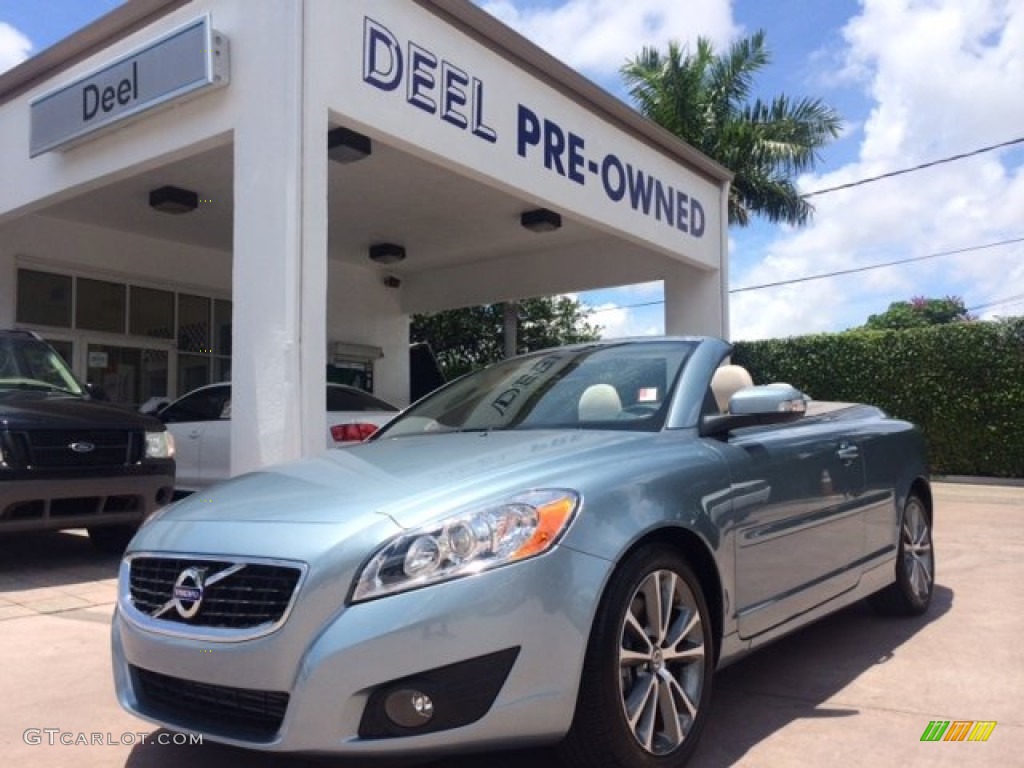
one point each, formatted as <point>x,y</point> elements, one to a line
<point>560,548</point>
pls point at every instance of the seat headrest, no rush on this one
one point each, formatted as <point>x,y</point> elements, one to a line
<point>727,381</point>
<point>599,402</point>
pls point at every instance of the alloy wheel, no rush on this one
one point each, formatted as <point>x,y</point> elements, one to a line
<point>661,662</point>
<point>918,558</point>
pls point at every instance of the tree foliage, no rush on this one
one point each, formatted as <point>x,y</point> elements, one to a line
<point>704,98</point>
<point>919,312</point>
<point>470,338</point>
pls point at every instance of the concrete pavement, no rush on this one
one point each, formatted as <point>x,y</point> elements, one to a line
<point>852,690</point>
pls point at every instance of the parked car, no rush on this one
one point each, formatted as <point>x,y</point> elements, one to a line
<point>201,424</point>
<point>560,548</point>
<point>67,461</point>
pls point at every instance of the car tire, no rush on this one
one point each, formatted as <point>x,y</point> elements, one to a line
<point>112,539</point>
<point>646,685</point>
<point>911,593</point>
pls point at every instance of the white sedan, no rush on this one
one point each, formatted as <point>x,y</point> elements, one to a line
<point>201,424</point>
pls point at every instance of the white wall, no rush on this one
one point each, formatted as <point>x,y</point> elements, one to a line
<point>408,111</point>
<point>154,139</point>
<point>362,310</point>
<point>540,273</point>
<point>60,245</point>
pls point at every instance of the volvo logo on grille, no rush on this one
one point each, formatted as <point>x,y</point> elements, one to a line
<point>190,588</point>
<point>187,596</point>
<point>82,447</point>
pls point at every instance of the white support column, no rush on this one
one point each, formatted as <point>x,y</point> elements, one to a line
<point>693,302</point>
<point>280,246</point>
<point>697,302</point>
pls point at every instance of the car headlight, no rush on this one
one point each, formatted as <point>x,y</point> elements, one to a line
<point>159,445</point>
<point>465,543</point>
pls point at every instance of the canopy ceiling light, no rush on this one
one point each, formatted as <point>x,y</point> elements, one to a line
<point>173,200</point>
<point>387,253</point>
<point>541,220</point>
<point>345,146</point>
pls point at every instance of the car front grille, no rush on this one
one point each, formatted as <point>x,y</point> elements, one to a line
<point>236,711</point>
<point>70,449</point>
<point>252,594</point>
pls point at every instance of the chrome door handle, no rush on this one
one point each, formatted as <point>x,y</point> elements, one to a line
<point>848,452</point>
<point>194,434</point>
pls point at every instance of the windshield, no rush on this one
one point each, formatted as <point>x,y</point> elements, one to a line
<point>620,386</point>
<point>29,364</point>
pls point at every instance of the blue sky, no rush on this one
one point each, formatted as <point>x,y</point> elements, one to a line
<point>915,80</point>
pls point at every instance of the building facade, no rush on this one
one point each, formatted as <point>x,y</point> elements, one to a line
<point>195,191</point>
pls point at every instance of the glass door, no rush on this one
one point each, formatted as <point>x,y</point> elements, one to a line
<point>128,376</point>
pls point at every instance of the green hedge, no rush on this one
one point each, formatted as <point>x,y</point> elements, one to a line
<point>962,383</point>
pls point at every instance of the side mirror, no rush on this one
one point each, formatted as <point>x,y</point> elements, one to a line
<point>154,405</point>
<point>768,399</point>
<point>96,392</point>
<point>757,406</point>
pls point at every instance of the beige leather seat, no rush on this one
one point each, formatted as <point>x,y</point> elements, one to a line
<point>727,381</point>
<point>599,402</point>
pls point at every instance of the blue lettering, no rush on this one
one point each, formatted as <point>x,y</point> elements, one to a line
<point>681,211</point>
<point>640,189</point>
<point>94,100</point>
<point>90,102</point>
<point>528,131</point>
<point>382,56</point>
<point>478,128</point>
<point>696,218</point>
<point>663,202</point>
<point>454,82</point>
<point>616,188</point>
<point>422,64</point>
<point>554,146</point>
<point>576,160</point>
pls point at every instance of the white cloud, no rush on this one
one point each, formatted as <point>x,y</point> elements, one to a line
<point>14,46</point>
<point>619,322</point>
<point>941,74</point>
<point>600,35</point>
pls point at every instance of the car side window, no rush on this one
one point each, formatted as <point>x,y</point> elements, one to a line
<point>202,405</point>
<point>339,399</point>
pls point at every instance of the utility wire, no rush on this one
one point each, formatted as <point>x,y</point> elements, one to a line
<point>1011,300</point>
<point>837,273</point>
<point>858,183</point>
<point>823,275</point>
<point>912,169</point>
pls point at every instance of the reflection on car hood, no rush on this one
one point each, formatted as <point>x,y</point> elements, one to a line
<point>409,479</point>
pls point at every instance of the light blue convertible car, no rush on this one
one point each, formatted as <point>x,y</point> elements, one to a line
<point>560,548</point>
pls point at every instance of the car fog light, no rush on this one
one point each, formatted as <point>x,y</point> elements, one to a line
<point>409,708</point>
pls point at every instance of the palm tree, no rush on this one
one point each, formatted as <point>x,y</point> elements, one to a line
<point>704,99</point>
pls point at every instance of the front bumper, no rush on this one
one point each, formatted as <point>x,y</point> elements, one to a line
<point>321,675</point>
<point>55,502</point>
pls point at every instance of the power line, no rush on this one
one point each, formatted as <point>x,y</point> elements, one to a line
<point>823,275</point>
<point>627,306</point>
<point>912,169</point>
<point>1011,300</point>
<point>840,272</point>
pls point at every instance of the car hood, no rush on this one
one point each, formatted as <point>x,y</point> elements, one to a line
<point>409,479</point>
<point>39,411</point>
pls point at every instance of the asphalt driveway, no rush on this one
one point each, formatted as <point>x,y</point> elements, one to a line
<point>852,690</point>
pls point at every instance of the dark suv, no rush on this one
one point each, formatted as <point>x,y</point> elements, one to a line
<point>68,461</point>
